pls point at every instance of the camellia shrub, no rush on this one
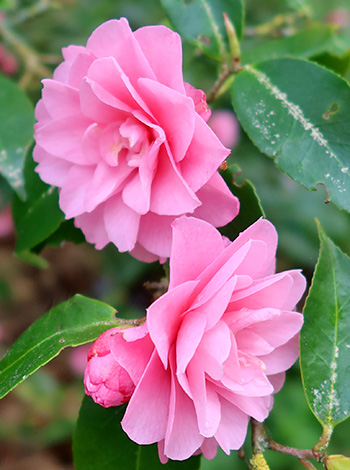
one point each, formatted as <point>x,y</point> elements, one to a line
<point>130,154</point>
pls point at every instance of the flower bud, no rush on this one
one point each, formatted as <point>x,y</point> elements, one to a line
<point>105,380</point>
<point>337,462</point>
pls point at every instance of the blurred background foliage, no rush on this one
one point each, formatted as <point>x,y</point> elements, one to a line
<point>37,419</point>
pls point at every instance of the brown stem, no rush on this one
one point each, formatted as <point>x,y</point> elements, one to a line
<point>225,73</point>
<point>260,442</point>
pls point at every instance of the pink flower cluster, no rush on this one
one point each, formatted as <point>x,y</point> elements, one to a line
<point>213,350</point>
<point>126,141</point>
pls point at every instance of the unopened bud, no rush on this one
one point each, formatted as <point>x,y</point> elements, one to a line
<point>337,462</point>
<point>235,50</point>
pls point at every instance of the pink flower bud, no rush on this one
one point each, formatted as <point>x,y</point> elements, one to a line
<point>116,362</point>
<point>225,126</point>
<point>105,380</point>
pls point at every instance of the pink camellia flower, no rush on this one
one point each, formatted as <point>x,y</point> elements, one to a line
<point>223,336</point>
<point>126,141</point>
<point>115,365</point>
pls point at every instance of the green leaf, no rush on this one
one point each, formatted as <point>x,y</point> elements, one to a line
<point>16,133</point>
<point>100,444</point>
<point>39,216</point>
<point>338,63</point>
<point>74,322</point>
<point>250,207</point>
<point>304,44</point>
<point>325,337</point>
<point>298,113</point>
<point>201,22</point>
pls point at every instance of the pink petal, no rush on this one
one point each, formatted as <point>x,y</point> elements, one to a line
<point>209,448</point>
<point>98,105</point>
<point>62,138</point>
<point>155,234</point>
<point>275,291</point>
<point>174,113</point>
<point>121,222</point>
<point>140,253</point>
<point>195,244</point>
<point>233,427</point>
<point>145,419</point>
<point>251,343</point>
<point>278,331</point>
<point>93,227</point>
<point>219,205</point>
<point>282,358</point>
<point>204,155</point>
<point>60,100</point>
<point>114,38</point>
<point>256,407</point>
<point>212,301</point>
<point>244,318</point>
<point>214,349</point>
<point>132,356</point>
<point>277,381</point>
<point>164,317</point>
<point>205,399</point>
<point>163,51</point>
<point>52,170</point>
<point>110,85</point>
<point>182,437</point>
<point>70,54</point>
<point>137,196</point>
<point>79,68</point>
<point>188,338</point>
<point>72,194</point>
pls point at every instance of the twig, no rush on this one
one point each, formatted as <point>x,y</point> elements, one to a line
<point>225,73</point>
<point>261,442</point>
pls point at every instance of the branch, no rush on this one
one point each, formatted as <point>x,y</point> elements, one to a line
<point>225,73</point>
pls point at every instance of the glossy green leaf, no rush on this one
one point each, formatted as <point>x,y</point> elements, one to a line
<point>16,133</point>
<point>325,337</point>
<point>298,113</point>
<point>100,444</point>
<point>250,207</point>
<point>74,322</point>
<point>310,42</point>
<point>39,216</point>
<point>201,22</point>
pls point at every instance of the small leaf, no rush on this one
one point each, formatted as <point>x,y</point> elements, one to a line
<point>304,44</point>
<point>16,132</point>
<point>74,322</point>
<point>39,216</point>
<point>250,207</point>
<point>325,337</point>
<point>201,23</point>
<point>99,443</point>
<point>284,106</point>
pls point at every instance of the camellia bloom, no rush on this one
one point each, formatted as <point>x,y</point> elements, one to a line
<point>222,338</point>
<point>126,141</point>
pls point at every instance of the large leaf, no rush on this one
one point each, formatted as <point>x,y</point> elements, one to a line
<point>74,322</point>
<point>325,337</point>
<point>298,113</point>
<point>100,444</point>
<point>39,215</point>
<point>310,42</point>
<point>201,22</point>
<point>16,133</point>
